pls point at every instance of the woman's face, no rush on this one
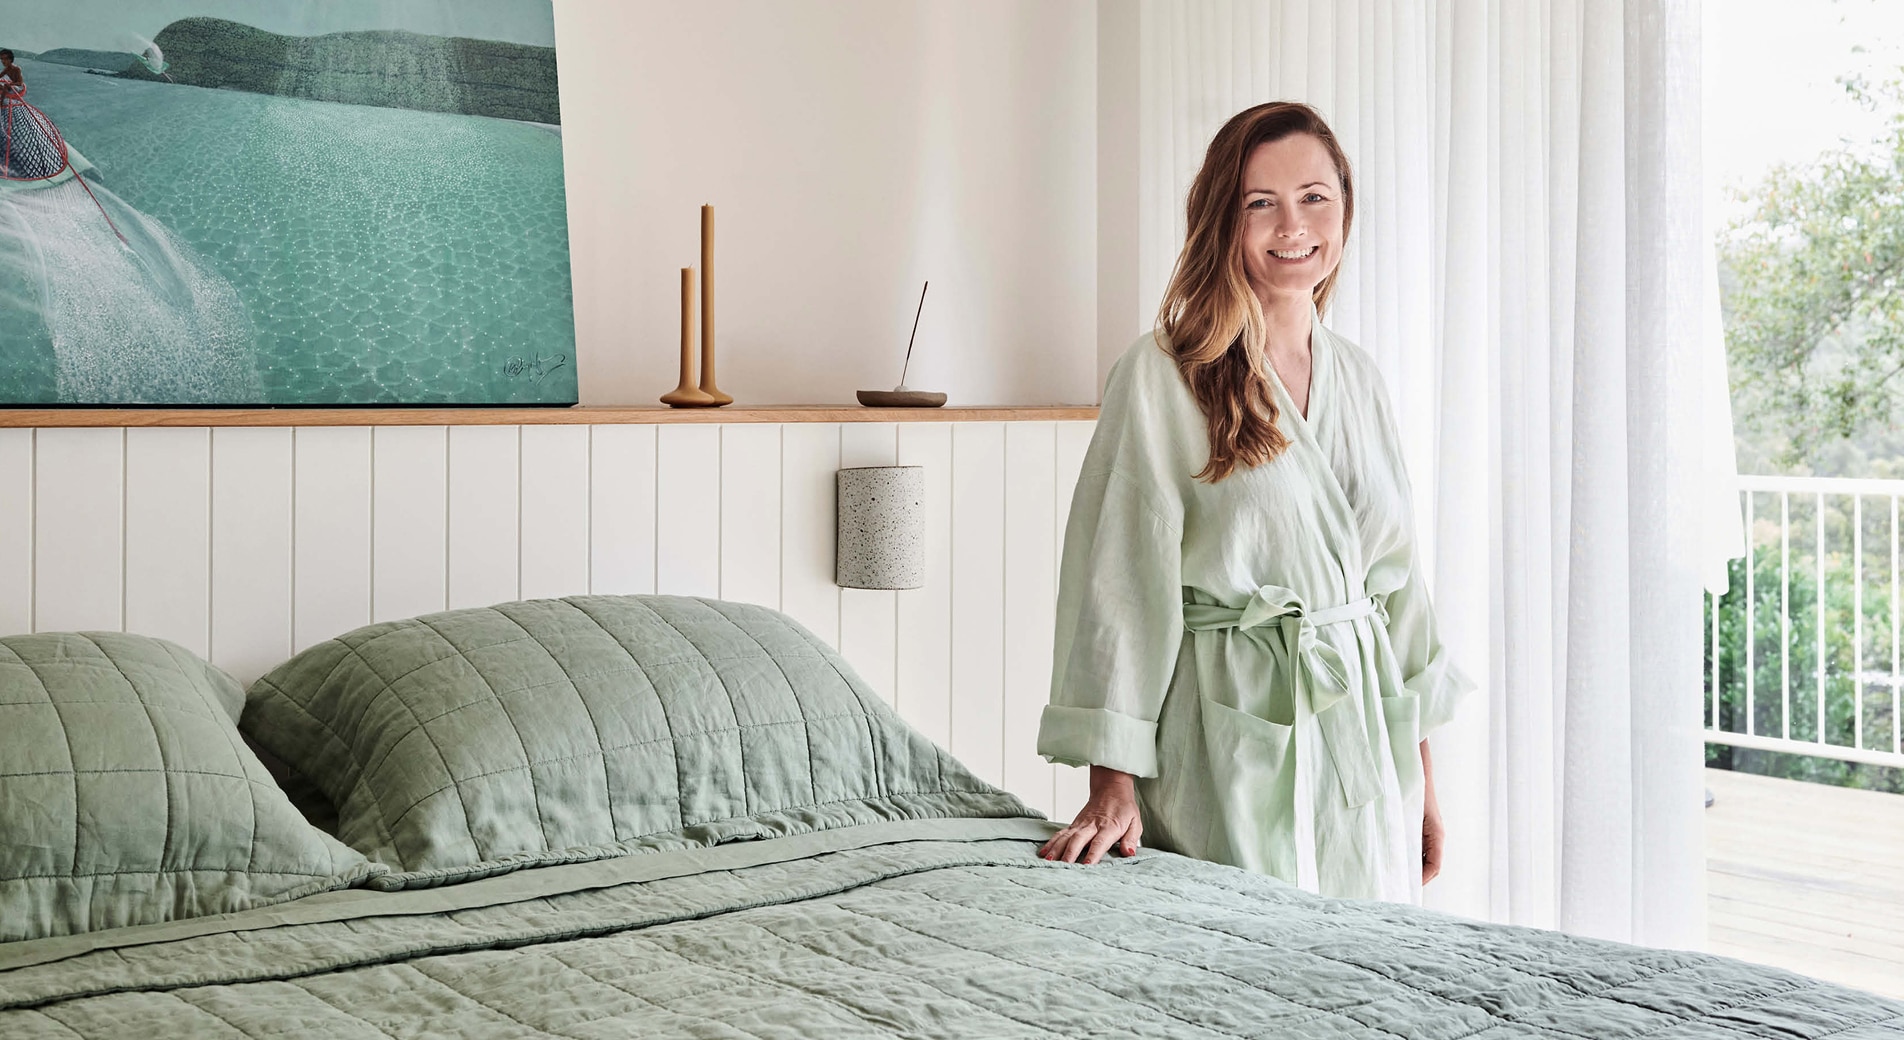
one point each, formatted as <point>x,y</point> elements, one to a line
<point>1292,217</point>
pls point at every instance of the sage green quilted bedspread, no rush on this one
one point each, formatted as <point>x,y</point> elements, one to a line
<point>474,742</point>
<point>959,932</point>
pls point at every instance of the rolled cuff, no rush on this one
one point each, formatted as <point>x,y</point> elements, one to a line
<point>1439,689</point>
<point>1098,737</point>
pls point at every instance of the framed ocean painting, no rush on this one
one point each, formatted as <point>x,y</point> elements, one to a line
<point>283,202</point>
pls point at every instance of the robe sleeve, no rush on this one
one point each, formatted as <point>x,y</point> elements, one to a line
<point>1427,671</point>
<point>1120,587</point>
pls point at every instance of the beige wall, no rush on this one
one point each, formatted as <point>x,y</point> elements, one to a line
<point>852,149</point>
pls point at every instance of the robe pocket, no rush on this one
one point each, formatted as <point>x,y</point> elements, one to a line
<point>1255,745</point>
<point>1252,763</point>
<point>1402,716</point>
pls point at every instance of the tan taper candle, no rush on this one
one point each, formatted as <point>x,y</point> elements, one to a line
<point>707,310</point>
<point>686,394</point>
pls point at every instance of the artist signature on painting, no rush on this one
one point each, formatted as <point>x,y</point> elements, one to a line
<point>537,369</point>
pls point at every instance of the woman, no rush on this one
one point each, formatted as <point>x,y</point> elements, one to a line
<point>1246,655</point>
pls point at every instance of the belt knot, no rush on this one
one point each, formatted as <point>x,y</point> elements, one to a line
<point>1310,671</point>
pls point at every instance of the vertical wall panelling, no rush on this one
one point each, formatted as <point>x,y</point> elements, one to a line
<point>1030,593</point>
<point>483,514</point>
<point>78,550</point>
<point>253,543</point>
<point>810,455</point>
<point>168,535</point>
<point>867,636</point>
<point>750,513</point>
<point>330,550</point>
<point>409,530</point>
<point>922,687</point>
<point>251,549</point>
<point>1073,785</point>
<point>621,510</point>
<point>16,531</point>
<point>554,483</point>
<point>688,504</point>
<point>978,597</point>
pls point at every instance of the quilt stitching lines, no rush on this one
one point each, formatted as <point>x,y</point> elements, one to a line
<point>822,954</point>
<point>303,986</point>
<point>72,760</point>
<point>535,790</point>
<point>643,743</point>
<point>595,726</point>
<point>663,950</point>
<point>1320,1012</point>
<point>1479,954</point>
<point>434,746</point>
<point>176,870</point>
<point>1241,938</point>
<point>733,709</point>
<point>487,1005</point>
<point>213,1015</point>
<point>799,703</point>
<point>661,705</point>
<point>48,1017</point>
<point>1071,978</point>
<point>1493,961</point>
<point>865,714</point>
<point>152,721</point>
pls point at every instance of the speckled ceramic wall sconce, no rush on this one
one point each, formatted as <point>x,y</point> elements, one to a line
<point>882,543</point>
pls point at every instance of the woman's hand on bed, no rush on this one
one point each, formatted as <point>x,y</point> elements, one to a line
<point>1109,818</point>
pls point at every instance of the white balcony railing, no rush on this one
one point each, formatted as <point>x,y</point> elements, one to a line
<point>1802,653</point>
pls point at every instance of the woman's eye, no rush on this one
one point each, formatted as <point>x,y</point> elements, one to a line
<point>1259,203</point>
<point>1313,197</point>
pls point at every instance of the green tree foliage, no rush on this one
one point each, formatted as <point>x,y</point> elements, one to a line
<point>1784,640</point>
<point>1813,280</point>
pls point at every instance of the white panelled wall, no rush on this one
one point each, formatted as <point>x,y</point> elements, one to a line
<point>246,545</point>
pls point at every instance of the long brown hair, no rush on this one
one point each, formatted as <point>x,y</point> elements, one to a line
<point>1210,314</point>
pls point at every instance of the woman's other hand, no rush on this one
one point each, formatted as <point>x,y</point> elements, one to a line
<point>1432,834</point>
<point>1110,817</point>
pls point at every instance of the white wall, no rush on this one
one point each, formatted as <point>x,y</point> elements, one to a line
<point>852,149</point>
<point>1123,313</point>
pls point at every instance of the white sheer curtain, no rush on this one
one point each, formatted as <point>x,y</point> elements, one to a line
<point>1528,266</point>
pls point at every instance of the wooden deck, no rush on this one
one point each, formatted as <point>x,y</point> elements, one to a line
<point>1807,877</point>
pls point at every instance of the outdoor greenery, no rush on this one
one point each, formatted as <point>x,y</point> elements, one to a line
<point>1845,667</point>
<point>1812,280</point>
<point>1812,287</point>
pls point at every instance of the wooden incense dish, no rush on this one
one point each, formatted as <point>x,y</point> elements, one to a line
<point>900,398</point>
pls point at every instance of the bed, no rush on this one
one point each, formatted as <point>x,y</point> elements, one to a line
<point>812,869</point>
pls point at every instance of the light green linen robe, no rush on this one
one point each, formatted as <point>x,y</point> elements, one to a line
<point>1260,651</point>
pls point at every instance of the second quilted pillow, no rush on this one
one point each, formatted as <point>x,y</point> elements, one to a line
<point>475,742</point>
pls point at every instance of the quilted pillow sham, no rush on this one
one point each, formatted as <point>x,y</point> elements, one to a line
<point>474,742</point>
<point>127,796</point>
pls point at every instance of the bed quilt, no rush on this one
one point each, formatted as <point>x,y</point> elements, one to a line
<point>927,929</point>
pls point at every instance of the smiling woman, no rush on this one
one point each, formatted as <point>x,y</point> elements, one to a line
<point>1246,654</point>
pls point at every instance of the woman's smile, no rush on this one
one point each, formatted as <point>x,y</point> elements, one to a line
<point>1293,256</point>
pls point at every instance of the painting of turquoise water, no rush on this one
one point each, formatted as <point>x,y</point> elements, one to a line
<point>247,202</point>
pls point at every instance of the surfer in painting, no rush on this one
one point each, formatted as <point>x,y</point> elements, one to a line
<point>12,80</point>
<point>32,152</point>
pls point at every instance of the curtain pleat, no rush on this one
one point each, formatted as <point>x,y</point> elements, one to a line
<point>1527,267</point>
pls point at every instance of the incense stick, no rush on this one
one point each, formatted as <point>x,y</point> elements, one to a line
<point>915,331</point>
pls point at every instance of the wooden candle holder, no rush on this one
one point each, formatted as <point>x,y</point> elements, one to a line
<point>686,394</point>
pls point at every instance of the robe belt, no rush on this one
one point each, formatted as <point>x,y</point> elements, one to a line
<point>1309,670</point>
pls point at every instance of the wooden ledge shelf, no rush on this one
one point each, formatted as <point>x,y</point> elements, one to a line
<point>823,413</point>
